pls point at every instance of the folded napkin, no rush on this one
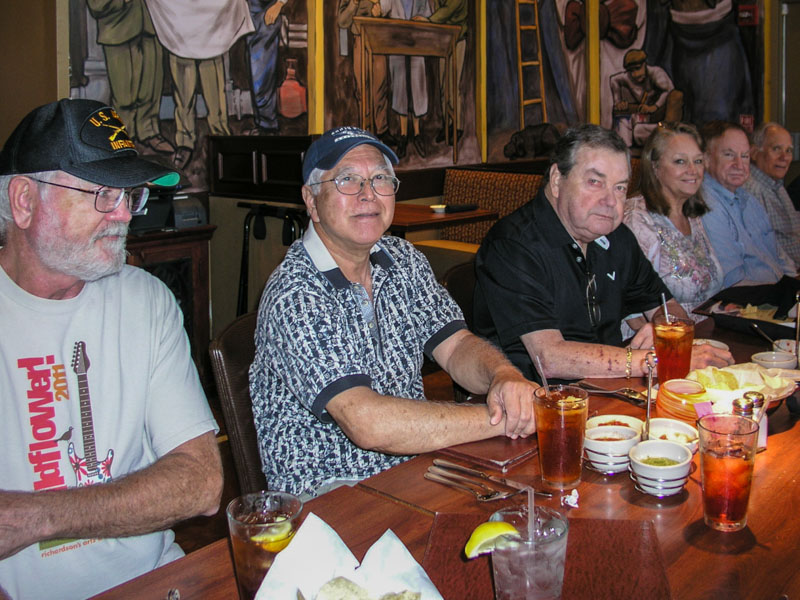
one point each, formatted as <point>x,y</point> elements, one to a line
<point>317,554</point>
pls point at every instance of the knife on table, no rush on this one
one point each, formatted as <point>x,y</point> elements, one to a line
<point>446,464</point>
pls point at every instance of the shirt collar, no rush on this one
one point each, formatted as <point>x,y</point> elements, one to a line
<point>551,227</point>
<point>321,257</point>
<point>719,190</point>
<point>764,179</point>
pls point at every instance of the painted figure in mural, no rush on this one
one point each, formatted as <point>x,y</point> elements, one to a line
<point>702,49</point>
<point>643,96</point>
<point>380,77</point>
<point>135,67</point>
<point>263,46</point>
<point>197,33</point>
<point>451,12</point>
<point>622,26</point>
<point>408,9</point>
<point>772,153</point>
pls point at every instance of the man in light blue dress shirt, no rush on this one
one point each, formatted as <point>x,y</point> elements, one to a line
<point>736,223</point>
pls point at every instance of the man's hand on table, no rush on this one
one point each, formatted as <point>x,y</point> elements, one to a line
<point>510,396</point>
<point>706,355</point>
<point>644,338</point>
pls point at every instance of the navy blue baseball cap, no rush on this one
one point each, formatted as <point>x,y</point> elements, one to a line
<point>329,148</point>
<point>84,138</point>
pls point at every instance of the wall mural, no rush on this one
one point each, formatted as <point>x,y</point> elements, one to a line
<point>178,70</point>
<point>691,60</point>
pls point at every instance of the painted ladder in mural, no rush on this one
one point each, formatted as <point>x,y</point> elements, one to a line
<point>529,59</point>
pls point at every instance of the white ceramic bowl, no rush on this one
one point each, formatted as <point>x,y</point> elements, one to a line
<point>618,420</point>
<point>784,346</point>
<point>438,208</point>
<point>674,430</point>
<point>656,480</point>
<point>715,343</point>
<point>607,447</point>
<point>775,359</point>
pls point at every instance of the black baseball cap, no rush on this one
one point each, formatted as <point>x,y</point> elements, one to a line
<point>329,148</point>
<point>84,138</point>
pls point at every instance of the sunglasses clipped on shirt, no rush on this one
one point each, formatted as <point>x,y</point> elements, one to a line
<point>591,300</point>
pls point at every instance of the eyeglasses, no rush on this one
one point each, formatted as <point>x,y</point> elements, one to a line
<point>383,185</point>
<point>107,199</point>
<point>591,300</point>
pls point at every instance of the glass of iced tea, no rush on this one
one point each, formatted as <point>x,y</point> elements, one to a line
<point>261,525</point>
<point>560,424</point>
<point>673,342</point>
<point>728,445</point>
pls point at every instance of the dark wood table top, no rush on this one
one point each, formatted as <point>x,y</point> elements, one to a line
<point>761,561</point>
<point>414,217</point>
<point>359,516</point>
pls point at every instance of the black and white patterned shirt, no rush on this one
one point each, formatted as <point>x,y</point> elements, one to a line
<point>314,339</point>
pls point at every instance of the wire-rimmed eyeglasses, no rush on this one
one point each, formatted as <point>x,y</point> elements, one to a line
<point>107,199</point>
<point>591,300</point>
<point>350,185</point>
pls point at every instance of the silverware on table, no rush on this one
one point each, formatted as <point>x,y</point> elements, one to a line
<point>446,464</point>
<point>651,361</point>
<point>760,332</point>
<point>457,482</point>
<point>630,394</point>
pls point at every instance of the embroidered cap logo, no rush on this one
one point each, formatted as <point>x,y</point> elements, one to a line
<point>104,129</point>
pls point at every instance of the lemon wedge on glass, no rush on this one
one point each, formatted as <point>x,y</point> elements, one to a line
<point>276,539</point>
<point>484,537</point>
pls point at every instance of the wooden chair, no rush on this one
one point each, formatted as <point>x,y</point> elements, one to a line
<point>493,190</point>
<point>460,282</point>
<point>231,354</point>
<point>499,191</point>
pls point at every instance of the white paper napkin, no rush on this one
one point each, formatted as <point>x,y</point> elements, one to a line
<point>317,554</point>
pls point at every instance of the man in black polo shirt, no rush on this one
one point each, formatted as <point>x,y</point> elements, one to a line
<point>557,276</point>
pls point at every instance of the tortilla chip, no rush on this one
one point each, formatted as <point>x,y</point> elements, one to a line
<point>715,379</point>
<point>341,588</point>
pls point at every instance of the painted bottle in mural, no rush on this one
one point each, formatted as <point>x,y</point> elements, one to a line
<point>291,94</point>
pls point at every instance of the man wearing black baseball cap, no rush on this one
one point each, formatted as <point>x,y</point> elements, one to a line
<point>108,439</point>
<point>343,327</point>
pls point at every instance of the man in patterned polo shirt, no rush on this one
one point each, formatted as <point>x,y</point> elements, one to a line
<point>772,152</point>
<point>343,327</point>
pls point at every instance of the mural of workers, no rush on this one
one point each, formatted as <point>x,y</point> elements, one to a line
<point>263,46</point>
<point>408,9</point>
<point>380,77</point>
<point>197,33</point>
<point>134,61</point>
<point>643,95</point>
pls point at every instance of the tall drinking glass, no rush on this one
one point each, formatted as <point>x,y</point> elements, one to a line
<point>261,525</point>
<point>673,342</point>
<point>728,446</point>
<point>530,569</point>
<point>560,423</point>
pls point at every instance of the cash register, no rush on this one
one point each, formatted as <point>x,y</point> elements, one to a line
<point>169,210</point>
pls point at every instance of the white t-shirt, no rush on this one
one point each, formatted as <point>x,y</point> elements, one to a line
<point>119,351</point>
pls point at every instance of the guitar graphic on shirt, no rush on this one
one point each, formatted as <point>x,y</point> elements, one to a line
<point>87,470</point>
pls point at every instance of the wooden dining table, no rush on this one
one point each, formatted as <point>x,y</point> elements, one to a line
<point>417,217</point>
<point>622,543</point>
